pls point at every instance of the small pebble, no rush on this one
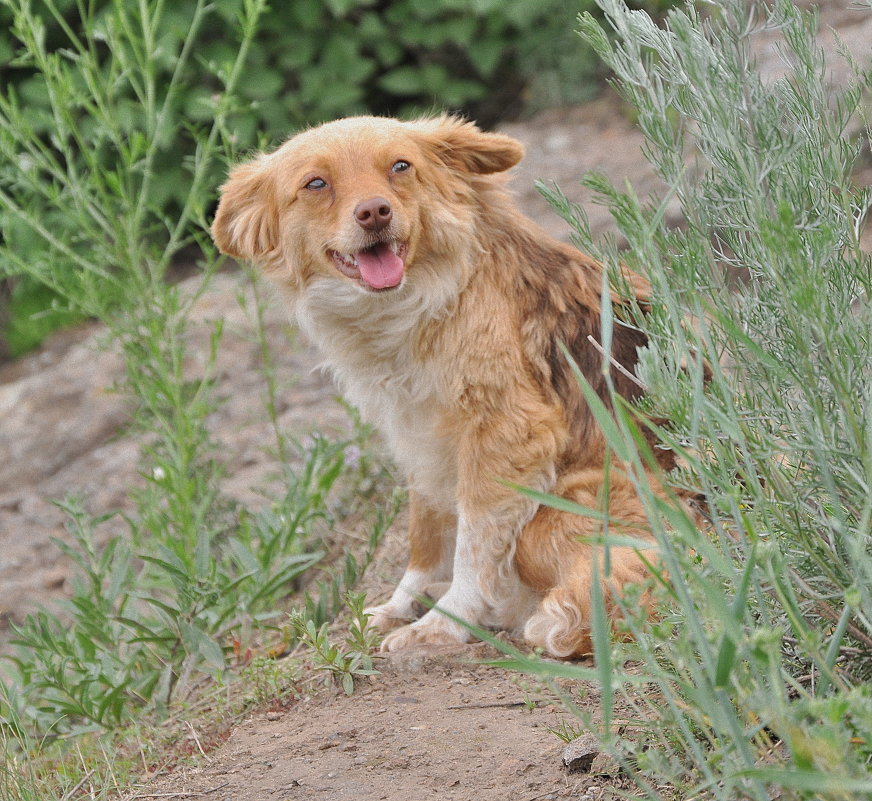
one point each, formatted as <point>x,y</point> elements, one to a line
<point>578,756</point>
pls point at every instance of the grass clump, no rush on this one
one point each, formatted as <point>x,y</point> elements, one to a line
<point>753,683</point>
<point>337,663</point>
<point>151,612</point>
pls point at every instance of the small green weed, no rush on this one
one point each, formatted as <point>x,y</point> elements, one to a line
<point>270,680</point>
<point>340,664</point>
<point>363,637</point>
<point>566,731</point>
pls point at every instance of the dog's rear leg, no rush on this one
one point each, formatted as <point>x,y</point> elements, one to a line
<point>431,552</point>
<point>553,558</point>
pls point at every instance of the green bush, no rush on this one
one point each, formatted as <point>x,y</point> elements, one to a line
<point>754,681</point>
<point>314,60</point>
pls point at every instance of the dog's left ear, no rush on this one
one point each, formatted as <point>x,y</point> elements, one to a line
<point>246,222</point>
<point>463,146</point>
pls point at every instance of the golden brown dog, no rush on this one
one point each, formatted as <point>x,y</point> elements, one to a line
<point>441,310</point>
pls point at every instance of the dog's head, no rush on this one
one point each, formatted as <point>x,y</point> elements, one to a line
<point>358,199</point>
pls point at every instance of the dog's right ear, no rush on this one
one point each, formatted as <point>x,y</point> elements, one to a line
<point>463,146</point>
<point>246,222</point>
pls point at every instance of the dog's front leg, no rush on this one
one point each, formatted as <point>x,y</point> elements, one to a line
<point>431,550</point>
<point>485,588</point>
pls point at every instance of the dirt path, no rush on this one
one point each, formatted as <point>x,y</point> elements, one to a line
<point>430,727</point>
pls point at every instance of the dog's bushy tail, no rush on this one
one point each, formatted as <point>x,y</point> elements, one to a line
<point>559,627</point>
<point>553,558</point>
<point>561,623</point>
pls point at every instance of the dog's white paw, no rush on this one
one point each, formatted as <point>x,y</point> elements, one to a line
<point>387,617</point>
<point>432,629</point>
<point>403,608</point>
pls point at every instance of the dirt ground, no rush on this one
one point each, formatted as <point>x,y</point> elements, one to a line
<point>432,725</point>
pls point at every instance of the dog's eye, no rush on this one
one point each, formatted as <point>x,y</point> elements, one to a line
<point>316,183</point>
<point>401,166</point>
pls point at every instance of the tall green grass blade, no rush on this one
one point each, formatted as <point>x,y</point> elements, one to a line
<point>600,636</point>
<point>727,651</point>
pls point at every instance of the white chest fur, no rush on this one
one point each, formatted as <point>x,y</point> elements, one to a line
<point>368,342</point>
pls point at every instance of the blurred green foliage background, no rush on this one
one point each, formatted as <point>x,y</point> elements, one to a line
<point>311,60</point>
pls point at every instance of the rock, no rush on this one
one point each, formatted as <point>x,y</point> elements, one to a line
<point>58,413</point>
<point>578,756</point>
<point>54,579</point>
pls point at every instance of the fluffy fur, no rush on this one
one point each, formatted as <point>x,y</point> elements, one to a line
<point>441,311</point>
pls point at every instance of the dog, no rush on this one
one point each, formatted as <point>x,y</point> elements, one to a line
<point>443,313</point>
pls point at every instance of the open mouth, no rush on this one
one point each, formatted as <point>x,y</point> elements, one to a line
<point>377,268</point>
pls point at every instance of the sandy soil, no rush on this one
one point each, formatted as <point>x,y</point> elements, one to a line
<point>430,726</point>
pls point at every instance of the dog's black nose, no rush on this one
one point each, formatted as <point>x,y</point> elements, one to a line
<point>373,214</point>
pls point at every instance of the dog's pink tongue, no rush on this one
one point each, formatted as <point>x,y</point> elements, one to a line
<point>380,267</point>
